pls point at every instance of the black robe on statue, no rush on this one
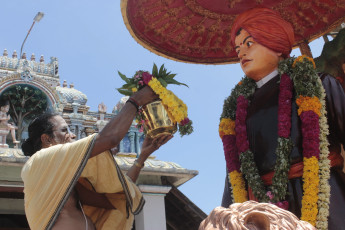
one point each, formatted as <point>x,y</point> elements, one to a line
<point>262,130</point>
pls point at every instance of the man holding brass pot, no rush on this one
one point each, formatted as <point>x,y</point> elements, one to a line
<point>78,185</point>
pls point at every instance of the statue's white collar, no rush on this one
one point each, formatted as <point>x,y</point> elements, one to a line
<point>264,80</point>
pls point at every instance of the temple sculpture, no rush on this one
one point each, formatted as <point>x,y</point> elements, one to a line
<point>5,126</point>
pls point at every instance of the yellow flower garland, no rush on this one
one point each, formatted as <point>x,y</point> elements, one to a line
<point>239,189</point>
<point>174,105</point>
<point>226,127</point>
<point>311,189</point>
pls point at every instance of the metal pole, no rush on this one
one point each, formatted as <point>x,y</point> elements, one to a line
<point>37,18</point>
<point>21,48</point>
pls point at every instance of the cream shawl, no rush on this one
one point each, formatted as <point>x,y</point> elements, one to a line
<point>50,175</point>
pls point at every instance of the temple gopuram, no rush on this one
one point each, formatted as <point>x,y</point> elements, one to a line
<point>166,206</point>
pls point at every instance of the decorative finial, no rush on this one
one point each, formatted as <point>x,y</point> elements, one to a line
<point>33,58</point>
<point>5,54</point>
<point>23,56</point>
<point>64,84</point>
<point>102,108</point>
<point>71,85</point>
<point>42,58</point>
<point>14,55</point>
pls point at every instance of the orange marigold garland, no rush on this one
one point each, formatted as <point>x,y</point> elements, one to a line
<point>308,104</point>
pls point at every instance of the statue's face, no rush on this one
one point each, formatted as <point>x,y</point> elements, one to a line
<point>257,61</point>
<point>5,108</point>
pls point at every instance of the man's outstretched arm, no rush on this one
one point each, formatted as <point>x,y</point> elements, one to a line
<point>116,129</point>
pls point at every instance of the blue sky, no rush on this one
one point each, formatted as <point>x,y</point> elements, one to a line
<point>92,43</point>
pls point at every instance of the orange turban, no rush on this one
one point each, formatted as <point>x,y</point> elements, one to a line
<point>267,27</point>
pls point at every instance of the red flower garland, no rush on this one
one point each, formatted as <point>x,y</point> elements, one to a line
<point>240,127</point>
<point>231,153</point>
<point>242,143</point>
<point>310,133</point>
<point>284,106</point>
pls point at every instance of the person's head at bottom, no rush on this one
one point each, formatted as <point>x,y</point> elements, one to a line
<point>47,130</point>
<point>252,215</point>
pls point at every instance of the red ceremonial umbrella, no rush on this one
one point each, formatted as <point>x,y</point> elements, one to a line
<point>198,31</point>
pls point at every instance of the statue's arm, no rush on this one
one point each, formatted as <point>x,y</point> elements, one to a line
<point>4,117</point>
<point>227,200</point>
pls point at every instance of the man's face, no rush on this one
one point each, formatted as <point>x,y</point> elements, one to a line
<point>61,132</point>
<point>257,61</point>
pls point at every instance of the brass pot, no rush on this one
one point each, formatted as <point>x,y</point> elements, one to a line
<point>158,120</point>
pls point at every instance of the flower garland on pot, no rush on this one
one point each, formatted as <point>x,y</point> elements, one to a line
<point>158,82</point>
<point>298,74</point>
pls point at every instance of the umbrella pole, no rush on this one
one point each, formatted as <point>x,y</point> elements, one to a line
<point>305,49</point>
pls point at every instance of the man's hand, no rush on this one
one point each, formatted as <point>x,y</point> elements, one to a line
<point>150,145</point>
<point>144,96</point>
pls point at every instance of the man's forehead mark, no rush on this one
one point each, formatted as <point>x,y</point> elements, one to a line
<point>244,41</point>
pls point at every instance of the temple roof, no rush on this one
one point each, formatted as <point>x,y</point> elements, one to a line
<point>157,172</point>
<point>38,67</point>
<point>71,94</point>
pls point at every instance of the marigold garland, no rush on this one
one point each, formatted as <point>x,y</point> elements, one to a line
<point>310,188</point>
<point>158,81</point>
<point>239,189</point>
<point>311,211</point>
<point>310,98</point>
<point>226,127</point>
<point>301,59</point>
<point>308,104</point>
<point>175,106</point>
